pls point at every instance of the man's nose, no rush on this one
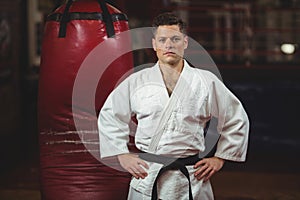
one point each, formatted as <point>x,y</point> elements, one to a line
<point>169,43</point>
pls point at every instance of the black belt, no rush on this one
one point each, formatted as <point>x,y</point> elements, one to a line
<point>170,164</point>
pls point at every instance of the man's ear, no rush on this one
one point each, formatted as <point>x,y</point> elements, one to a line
<point>153,44</point>
<point>186,41</point>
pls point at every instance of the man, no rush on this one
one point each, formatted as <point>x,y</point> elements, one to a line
<point>172,103</point>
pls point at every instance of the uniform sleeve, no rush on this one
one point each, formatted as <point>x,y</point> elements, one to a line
<point>233,123</point>
<point>113,122</point>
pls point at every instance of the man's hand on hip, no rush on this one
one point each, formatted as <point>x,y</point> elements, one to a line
<point>133,164</point>
<point>208,167</point>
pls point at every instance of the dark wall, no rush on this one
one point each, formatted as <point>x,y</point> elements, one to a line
<point>271,99</point>
<point>18,96</point>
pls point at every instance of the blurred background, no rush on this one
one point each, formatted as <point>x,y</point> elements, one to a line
<point>255,44</point>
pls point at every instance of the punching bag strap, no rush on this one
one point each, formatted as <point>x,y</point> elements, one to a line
<point>64,20</point>
<point>107,19</point>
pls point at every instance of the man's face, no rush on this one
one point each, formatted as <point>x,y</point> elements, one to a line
<point>169,44</point>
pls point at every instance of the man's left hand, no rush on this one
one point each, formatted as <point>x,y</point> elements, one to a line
<point>208,167</point>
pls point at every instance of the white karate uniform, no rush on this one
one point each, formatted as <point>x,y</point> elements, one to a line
<point>144,94</point>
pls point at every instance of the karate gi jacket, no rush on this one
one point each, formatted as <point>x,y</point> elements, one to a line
<point>145,95</point>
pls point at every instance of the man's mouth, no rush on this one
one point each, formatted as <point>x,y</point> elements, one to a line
<point>169,53</point>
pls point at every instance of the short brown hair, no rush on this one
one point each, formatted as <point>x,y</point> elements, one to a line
<point>168,18</point>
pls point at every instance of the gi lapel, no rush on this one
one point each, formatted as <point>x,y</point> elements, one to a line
<point>179,90</point>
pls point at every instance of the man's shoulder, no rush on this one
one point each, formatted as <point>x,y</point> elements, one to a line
<point>143,67</point>
<point>140,75</point>
<point>205,72</point>
<point>142,70</point>
<point>199,71</point>
<point>204,75</point>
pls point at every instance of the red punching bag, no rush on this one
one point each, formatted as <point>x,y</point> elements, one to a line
<point>68,170</point>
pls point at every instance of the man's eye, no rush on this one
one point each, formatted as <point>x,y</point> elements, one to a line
<point>176,39</point>
<point>162,40</point>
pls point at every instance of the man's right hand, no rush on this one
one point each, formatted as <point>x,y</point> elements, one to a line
<point>133,164</point>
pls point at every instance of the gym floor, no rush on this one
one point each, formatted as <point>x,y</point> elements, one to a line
<point>235,182</point>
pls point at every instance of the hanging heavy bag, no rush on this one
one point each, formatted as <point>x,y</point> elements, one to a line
<point>67,168</point>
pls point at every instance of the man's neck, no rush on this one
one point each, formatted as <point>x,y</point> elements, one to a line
<point>171,69</point>
<point>171,75</point>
